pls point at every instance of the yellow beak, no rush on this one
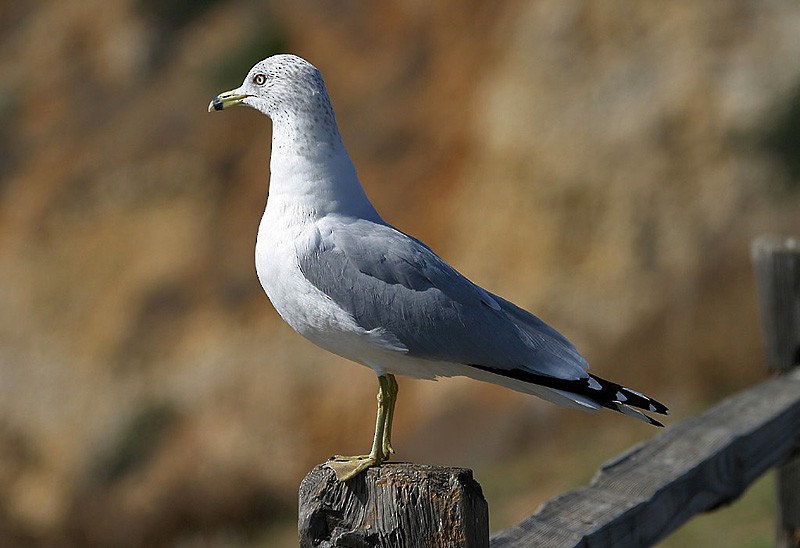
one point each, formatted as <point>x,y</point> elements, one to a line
<point>226,100</point>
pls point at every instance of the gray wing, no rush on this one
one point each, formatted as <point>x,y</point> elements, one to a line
<point>387,279</point>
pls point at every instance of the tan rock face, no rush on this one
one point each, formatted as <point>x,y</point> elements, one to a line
<point>599,163</point>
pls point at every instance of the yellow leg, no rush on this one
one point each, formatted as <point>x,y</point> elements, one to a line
<point>349,467</point>
<point>387,428</point>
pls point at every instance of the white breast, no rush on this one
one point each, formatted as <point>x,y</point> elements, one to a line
<point>281,237</point>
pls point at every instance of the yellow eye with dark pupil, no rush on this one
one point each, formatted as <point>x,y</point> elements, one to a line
<point>259,79</point>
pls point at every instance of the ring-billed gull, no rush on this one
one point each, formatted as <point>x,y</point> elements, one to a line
<point>356,286</point>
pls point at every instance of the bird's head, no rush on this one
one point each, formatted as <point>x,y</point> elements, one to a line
<point>279,86</point>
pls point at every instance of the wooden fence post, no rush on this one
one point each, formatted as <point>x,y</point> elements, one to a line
<point>395,505</point>
<point>777,267</point>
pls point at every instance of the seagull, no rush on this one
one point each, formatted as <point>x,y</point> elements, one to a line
<point>353,284</point>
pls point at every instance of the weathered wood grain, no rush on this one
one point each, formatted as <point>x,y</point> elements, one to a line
<point>395,505</point>
<point>692,467</point>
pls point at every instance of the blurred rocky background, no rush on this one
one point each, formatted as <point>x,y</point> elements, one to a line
<point>605,164</point>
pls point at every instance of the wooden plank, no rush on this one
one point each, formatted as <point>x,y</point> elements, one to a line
<point>787,480</point>
<point>395,505</point>
<point>777,266</point>
<point>692,467</point>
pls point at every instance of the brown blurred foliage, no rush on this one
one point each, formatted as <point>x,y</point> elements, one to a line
<point>603,164</point>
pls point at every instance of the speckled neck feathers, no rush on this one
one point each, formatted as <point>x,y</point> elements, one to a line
<point>300,108</point>
<point>310,166</point>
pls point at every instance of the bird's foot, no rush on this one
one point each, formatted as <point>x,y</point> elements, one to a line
<point>347,468</point>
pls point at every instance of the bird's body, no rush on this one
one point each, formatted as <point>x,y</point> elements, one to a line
<point>356,286</point>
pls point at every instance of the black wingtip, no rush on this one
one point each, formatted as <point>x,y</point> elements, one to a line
<point>658,407</point>
<point>605,393</point>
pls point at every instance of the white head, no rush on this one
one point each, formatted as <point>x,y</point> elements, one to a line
<point>309,165</point>
<point>286,88</point>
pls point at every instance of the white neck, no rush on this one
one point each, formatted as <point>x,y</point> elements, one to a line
<point>311,171</point>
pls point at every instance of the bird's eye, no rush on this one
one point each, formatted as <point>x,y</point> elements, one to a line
<point>260,79</point>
